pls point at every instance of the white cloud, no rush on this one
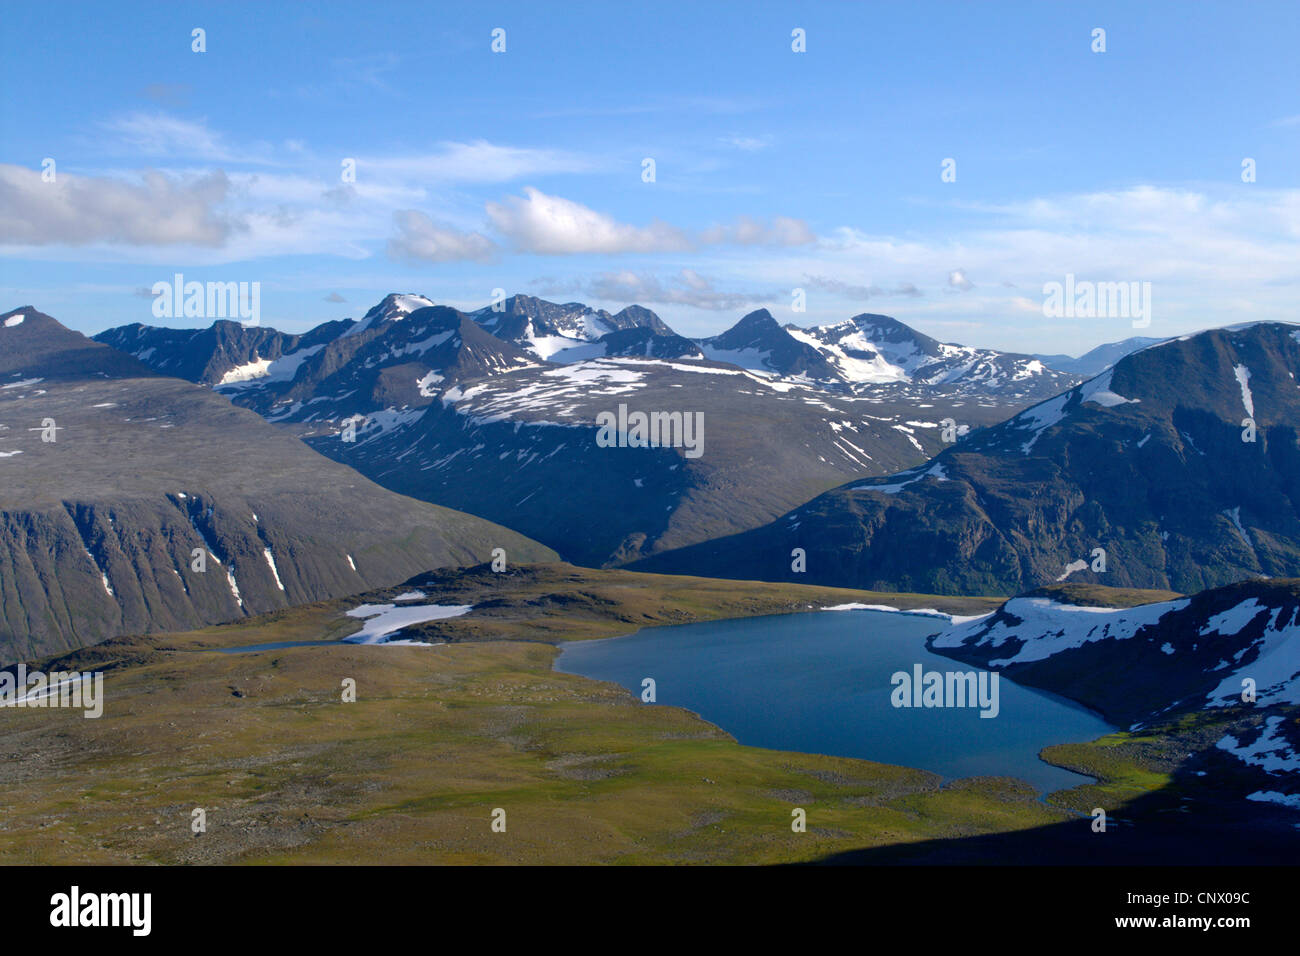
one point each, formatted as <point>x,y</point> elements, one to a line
<point>957,280</point>
<point>78,210</point>
<point>747,231</point>
<point>476,162</point>
<point>552,225</point>
<point>422,239</point>
<point>162,135</point>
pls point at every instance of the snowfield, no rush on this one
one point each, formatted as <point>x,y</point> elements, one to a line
<point>382,620</point>
<point>1269,751</point>
<point>1048,628</point>
<point>1274,665</point>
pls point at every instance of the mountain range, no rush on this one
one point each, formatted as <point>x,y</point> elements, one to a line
<point>492,412</point>
<point>1097,360</point>
<point>865,351</point>
<point>886,459</point>
<point>1178,467</point>
<point>133,501</point>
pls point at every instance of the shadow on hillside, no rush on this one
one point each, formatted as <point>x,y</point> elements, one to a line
<point>1152,830</point>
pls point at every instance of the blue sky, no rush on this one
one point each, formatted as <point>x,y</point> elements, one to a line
<point>775,170</point>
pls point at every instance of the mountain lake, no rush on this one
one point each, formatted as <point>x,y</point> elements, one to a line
<point>824,682</point>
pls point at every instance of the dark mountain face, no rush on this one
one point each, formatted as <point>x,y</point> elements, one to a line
<point>98,527</point>
<point>1146,462</point>
<point>447,411</point>
<point>644,342</point>
<point>399,364</point>
<point>1151,661</point>
<point>637,317</point>
<point>521,448</point>
<point>224,353</point>
<point>34,345</point>
<point>757,342</point>
<point>568,332</point>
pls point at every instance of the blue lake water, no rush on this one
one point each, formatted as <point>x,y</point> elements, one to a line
<point>821,683</point>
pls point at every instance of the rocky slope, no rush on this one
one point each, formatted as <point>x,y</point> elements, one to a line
<point>1181,464</point>
<point>1175,663</point>
<point>98,527</point>
<point>447,410</point>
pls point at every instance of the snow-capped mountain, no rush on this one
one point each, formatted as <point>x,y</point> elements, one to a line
<point>225,353</point>
<point>462,409</point>
<point>394,307</point>
<point>401,362</point>
<point>574,332</point>
<point>865,353</point>
<point>1098,359</point>
<point>521,448</point>
<point>871,352</point>
<point>877,349</point>
<point>449,411</point>
<point>758,342</point>
<point>1180,462</point>
<point>1228,656</point>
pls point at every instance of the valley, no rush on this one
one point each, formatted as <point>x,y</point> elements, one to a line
<point>439,737</point>
<point>895,468</point>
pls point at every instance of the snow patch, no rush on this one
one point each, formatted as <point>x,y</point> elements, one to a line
<point>922,611</point>
<point>1242,375</point>
<point>1046,627</point>
<point>1233,620</point>
<point>1235,515</point>
<point>1271,752</point>
<point>425,384</point>
<point>933,470</point>
<point>1272,796</point>
<point>382,620</point>
<point>1275,667</point>
<point>275,572</point>
<point>1080,565</point>
<point>258,368</point>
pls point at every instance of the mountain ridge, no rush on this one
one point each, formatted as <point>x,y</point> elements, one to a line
<point>1146,461</point>
<point>158,504</point>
